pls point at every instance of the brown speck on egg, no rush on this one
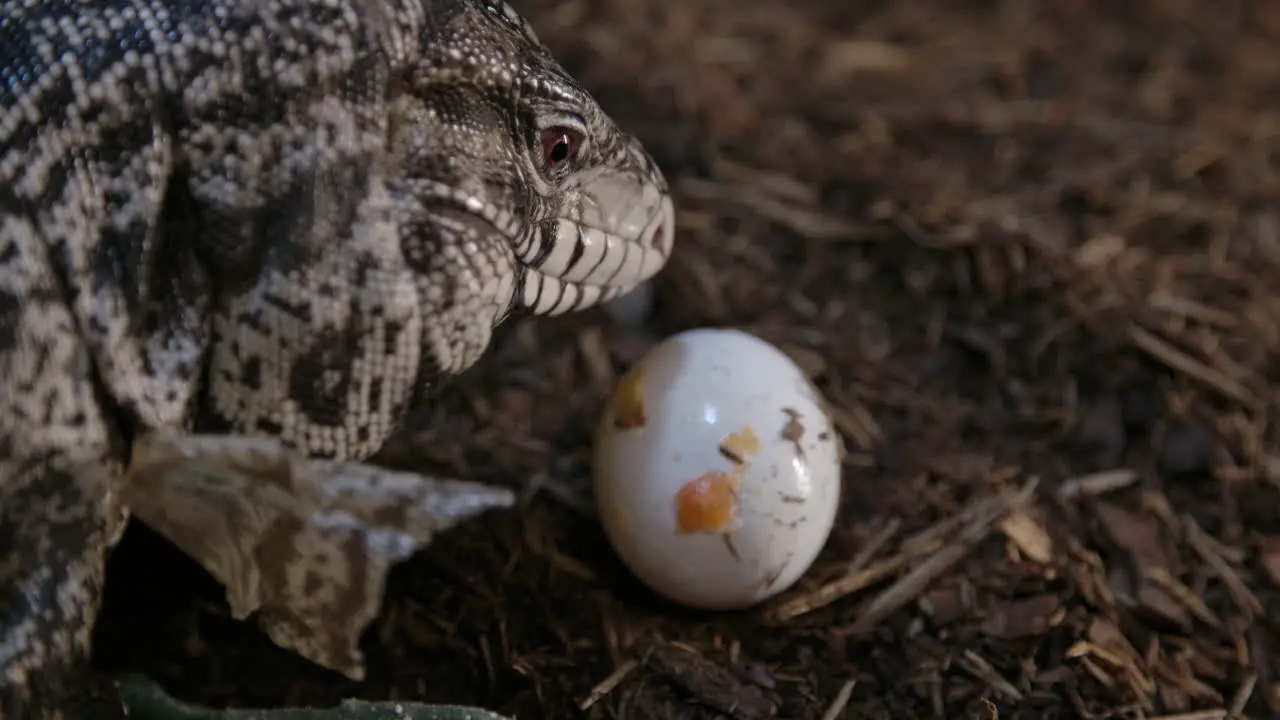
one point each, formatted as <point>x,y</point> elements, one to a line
<point>733,550</point>
<point>629,402</point>
<point>775,575</point>
<point>793,431</point>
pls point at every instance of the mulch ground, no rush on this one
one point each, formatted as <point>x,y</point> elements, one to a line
<point>1031,254</point>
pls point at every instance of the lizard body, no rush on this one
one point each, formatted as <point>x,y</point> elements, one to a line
<point>283,218</point>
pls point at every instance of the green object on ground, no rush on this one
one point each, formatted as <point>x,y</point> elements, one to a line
<point>144,699</point>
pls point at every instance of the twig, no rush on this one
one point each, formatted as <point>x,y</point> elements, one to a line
<point>913,583</point>
<point>606,686</point>
<point>1243,693</point>
<point>841,700</point>
<point>1178,360</point>
<point>1202,544</point>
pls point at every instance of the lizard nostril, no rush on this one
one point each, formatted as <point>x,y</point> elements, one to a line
<point>659,237</point>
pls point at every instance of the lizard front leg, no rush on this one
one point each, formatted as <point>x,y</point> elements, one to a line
<point>59,510</point>
<point>58,517</point>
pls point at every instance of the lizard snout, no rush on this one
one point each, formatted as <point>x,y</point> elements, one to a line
<point>617,232</point>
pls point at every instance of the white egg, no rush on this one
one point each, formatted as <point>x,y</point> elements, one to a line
<point>717,470</point>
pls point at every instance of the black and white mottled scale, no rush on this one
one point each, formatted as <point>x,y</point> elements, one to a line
<point>279,218</point>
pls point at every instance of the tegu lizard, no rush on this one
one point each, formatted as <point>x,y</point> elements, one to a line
<point>267,218</point>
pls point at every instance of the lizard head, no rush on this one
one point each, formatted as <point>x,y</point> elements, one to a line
<point>518,164</point>
<point>493,185</point>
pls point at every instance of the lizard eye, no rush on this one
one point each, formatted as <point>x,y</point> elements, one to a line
<point>559,145</point>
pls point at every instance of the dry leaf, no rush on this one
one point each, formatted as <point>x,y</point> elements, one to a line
<point>307,542</point>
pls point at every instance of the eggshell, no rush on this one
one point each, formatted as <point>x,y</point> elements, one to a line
<point>716,469</point>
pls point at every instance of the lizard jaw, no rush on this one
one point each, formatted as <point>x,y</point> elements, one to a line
<point>615,232</point>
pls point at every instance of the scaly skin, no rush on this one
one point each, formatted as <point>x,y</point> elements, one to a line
<point>282,218</point>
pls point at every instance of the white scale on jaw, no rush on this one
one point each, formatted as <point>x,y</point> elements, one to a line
<point>584,254</point>
<point>555,288</point>
<point>547,295</point>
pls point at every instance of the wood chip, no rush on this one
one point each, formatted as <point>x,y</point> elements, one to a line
<point>1096,484</point>
<point>1029,617</point>
<point>1029,536</point>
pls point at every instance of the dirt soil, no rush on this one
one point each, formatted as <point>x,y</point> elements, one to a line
<point>1030,252</point>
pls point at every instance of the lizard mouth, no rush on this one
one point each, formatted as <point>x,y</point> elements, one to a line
<point>615,232</point>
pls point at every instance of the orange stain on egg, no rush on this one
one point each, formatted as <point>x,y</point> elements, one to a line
<point>707,503</point>
<point>740,446</point>
<point>629,402</point>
